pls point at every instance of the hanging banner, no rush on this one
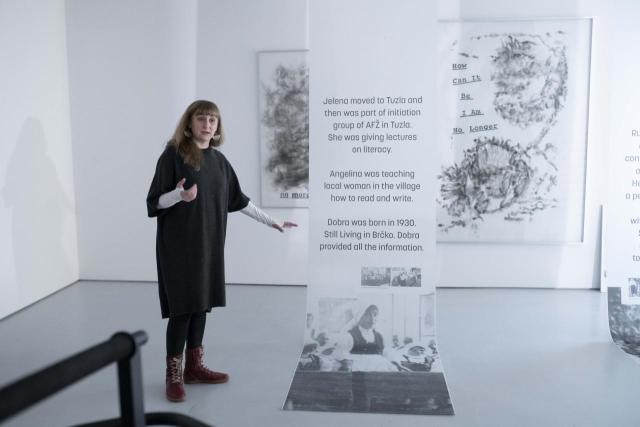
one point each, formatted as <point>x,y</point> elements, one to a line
<point>621,224</point>
<point>621,242</point>
<point>370,342</point>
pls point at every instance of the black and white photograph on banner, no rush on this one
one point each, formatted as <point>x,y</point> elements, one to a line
<point>624,323</point>
<point>283,79</point>
<point>375,277</point>
<point>383,342</point>
<point>371,346</point>
<point>513,131</point>
<point>406,277</point>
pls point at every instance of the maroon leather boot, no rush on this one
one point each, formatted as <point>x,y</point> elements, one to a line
<point>196,372</point>
<point>174,380</point>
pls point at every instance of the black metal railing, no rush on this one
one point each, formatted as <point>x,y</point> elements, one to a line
<point>123,348</point>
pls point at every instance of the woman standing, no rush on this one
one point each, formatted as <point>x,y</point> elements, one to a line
<point>193,189</point>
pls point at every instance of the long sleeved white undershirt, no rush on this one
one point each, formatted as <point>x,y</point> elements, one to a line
<point>172,197</point>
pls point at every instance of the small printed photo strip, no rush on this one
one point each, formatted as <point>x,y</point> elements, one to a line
<point>375,277</point>
<point>406,277</point>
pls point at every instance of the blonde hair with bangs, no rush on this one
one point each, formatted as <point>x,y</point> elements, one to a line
<point>182,137</point>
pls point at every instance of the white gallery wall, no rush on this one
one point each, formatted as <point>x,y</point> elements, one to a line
<point>620,234</point>
<point>38,240</point>
<point>571,265</point>
<point>114,87</point>
<point>230,33</point>
<point>134,67</point>
<point>132,70</point>
<point>561,265</point>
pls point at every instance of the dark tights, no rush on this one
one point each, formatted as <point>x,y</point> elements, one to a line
<point>187,328</point>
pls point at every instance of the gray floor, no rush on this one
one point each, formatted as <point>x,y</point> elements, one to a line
<point>512,357</point>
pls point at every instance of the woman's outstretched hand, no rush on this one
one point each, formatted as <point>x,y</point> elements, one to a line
<point>189,194</point>
<point>286,224</point>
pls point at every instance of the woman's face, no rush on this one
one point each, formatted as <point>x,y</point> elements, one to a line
<point>368,319</point>
<point>203,127</point>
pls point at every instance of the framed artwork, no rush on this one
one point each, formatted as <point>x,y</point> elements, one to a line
<point>513,106</point>
<point>283,83</point>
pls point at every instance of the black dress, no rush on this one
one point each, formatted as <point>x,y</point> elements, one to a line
<point>191,235</point>
<point>361,346</point>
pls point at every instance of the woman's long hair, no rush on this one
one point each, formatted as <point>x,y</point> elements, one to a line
<point>182,137</point>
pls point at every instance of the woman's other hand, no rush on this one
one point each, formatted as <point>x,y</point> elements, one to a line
<point>189,194</point>
<point>286,224</point>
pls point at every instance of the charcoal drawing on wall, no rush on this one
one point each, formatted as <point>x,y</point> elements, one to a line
<point>284,128</point>
<point>513,139</point>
